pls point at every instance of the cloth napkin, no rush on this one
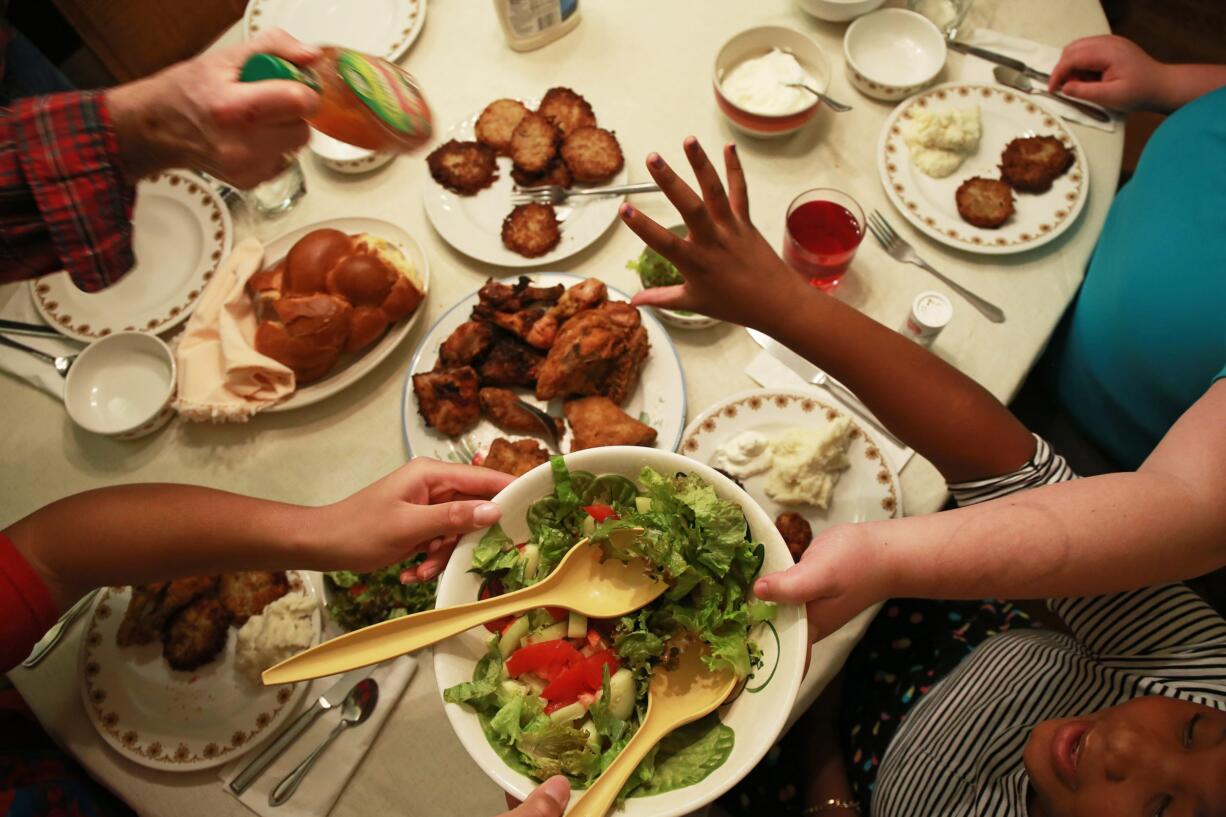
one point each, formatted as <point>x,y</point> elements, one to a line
<point>222,378</point>
<point>328,777</point>
<point>1038,56</point>
<point>771,373</point>
<point>38,373</point>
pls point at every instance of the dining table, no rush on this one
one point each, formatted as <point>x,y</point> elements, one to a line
<point>646,67</point>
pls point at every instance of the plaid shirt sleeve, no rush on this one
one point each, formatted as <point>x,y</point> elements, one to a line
<point>64,203</point>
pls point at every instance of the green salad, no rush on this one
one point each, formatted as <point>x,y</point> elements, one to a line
<point>559,694</point>
<point>361,599</point>
<point>657,271</point>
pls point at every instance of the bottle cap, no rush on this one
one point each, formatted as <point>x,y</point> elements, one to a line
<point>265,66</point>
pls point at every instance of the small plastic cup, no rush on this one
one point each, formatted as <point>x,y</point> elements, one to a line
<point>823,230</point>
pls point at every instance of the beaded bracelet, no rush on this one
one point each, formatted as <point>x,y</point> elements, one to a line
<point>832,803</point>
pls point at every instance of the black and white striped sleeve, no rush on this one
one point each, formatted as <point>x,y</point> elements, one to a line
<point>1046,467</point>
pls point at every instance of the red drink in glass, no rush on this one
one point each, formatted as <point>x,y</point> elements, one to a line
<point>824,229</point>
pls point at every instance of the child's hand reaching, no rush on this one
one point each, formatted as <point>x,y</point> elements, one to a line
<point>730,270</point>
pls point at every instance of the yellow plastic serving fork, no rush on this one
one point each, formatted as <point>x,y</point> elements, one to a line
<point>582,582</point>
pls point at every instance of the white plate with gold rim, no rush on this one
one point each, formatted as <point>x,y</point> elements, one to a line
<point>170,720</point>
<point>867,491</point>
<point>353,366</point>
<point>181,230</point>
<point>384,28</point>
<point>1005,114</point>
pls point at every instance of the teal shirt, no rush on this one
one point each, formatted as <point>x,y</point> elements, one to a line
<point>1147,334</point>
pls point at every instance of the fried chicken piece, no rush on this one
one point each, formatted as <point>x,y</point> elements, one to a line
<point>515,458</point>
<point>520,295</point>
<point>463,167</point>
<point>497,122</point>
<point>598,351</point>
<point>510,362</point>
<point>518,323</point>
<point>592,154</point>
<point>531,230</point>
<point>597,421</point>
<point>587,294</point>
<point>468,342</point>
<point>796,532</point>
<point>984,202</point>
<point>141,624</point>
<point>1033,163</point>
<point>247,593</point>
<point>503,409</point>
<point>557,173</point>
<point>447,400</point>
<point>566,109</point>
<point>196,634</point>
<point>534,143</point>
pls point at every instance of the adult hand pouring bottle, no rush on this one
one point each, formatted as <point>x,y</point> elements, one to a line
<point>365,101</point>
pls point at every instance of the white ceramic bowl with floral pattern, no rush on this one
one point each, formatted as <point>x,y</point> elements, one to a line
<point>893,53</point>
<point>121,386</point>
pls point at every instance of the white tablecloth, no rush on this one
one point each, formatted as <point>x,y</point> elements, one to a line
<point>646,68</point>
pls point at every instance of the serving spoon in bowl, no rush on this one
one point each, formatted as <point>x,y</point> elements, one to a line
<point>837,107</point>
<point>675,697</point>
<point>583,581</point>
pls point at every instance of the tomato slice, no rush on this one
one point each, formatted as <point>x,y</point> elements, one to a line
<point>595,640</point>
<point>568,684</point>
<point>490,588</point>
<point>593,668</point>
<point>535,657</point>
<point>556,705</point>
<point>357,590</point>
<point>557,613</point>
<point>601,512</point>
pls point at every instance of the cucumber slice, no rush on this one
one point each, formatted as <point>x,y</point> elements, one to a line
<point>621,694</point>
<point>568,713</point>
<point>593,737</point>
<point>535,685</point>
<point>576,625</point>
<point>508,642</point>
<point>589,526</point>
<point>532,561</point>
<point>643,503</point>
<point>553,632</point>
<point>515,687</point>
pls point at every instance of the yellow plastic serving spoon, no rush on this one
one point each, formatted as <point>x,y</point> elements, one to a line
<point>581,582</point>
<point>675,697</point>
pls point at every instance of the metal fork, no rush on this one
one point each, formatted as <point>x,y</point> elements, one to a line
<point>900,250</point>
<point>556,194</point>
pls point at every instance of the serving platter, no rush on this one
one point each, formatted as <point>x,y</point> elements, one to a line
<point>473,224</point>
<point>659,399</point>
<point>181,230</point>
<point>352,367</point>
<point>385,28</point>
<point>1005,115</point>
<point>867,491</point>
<point>169,720</point>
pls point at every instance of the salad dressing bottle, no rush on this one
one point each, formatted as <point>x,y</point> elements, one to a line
<point>530,24</point>
<point>365,101</point>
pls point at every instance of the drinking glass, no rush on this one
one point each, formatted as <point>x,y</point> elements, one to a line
<point>823,230</point>
<point>280,193</point>
<point>947,15</point>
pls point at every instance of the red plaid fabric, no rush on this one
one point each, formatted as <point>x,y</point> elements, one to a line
<point>64,203</point>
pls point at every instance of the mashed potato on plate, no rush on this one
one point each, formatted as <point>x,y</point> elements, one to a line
<point>940,140</point>
<point>285,628</point>
<point>806,463</point>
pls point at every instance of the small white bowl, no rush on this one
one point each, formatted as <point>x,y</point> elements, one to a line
<point>755,42</point>
<point>838,11</point>
<point>121,386</point>
<point>673,317</point>
<point>757,719</point>
<point>344,157</point>
<point>893,53</point>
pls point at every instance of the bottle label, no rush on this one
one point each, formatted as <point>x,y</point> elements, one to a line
<point>387,91</point>
<point>530,17</point>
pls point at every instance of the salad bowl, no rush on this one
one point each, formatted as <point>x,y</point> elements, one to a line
<point>748,724</point>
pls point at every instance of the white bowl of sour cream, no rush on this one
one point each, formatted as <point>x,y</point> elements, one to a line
<point>893,53</point>
<point>751,77</point>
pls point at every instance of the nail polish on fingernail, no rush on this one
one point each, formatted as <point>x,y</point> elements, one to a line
<point>627,211</point>
<point>732,147</point>
<point>691,141</point>
<point>655,161</point>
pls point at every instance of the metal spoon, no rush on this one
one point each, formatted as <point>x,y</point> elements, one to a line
<point>62,363</point>
<point>355,709</point>
<point>837,107</point>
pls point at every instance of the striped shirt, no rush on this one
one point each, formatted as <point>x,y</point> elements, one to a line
<point>959,752</point>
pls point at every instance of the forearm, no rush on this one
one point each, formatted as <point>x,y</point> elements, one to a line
<point>134,534</point>
<point>1086,537</point>
<point>1180,84</point>
<point>940,412</point>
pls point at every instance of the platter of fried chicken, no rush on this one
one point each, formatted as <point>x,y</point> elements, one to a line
<point>605,373</point>
<point>556,140</point>
<point>169,671</point>
<point>334,299</point>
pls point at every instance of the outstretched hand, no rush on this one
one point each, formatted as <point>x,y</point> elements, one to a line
<point>730,270</point>
<point>425,505</point>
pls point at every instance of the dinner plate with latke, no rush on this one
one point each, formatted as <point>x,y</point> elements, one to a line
<point>1005,115</point>
<point>176,721</point>
<point>384,28</point>
<point>659,398</point>
<point>181,231</point>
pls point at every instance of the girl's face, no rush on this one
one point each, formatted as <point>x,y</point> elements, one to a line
<point>1148,757</point>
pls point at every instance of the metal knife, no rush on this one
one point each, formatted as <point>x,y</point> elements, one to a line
<point>999,59</point>
<point>1020,82</point>
<point>332,698</point>
<point>53,636</point>
<point>9,327</point>
<point>812,374</point>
